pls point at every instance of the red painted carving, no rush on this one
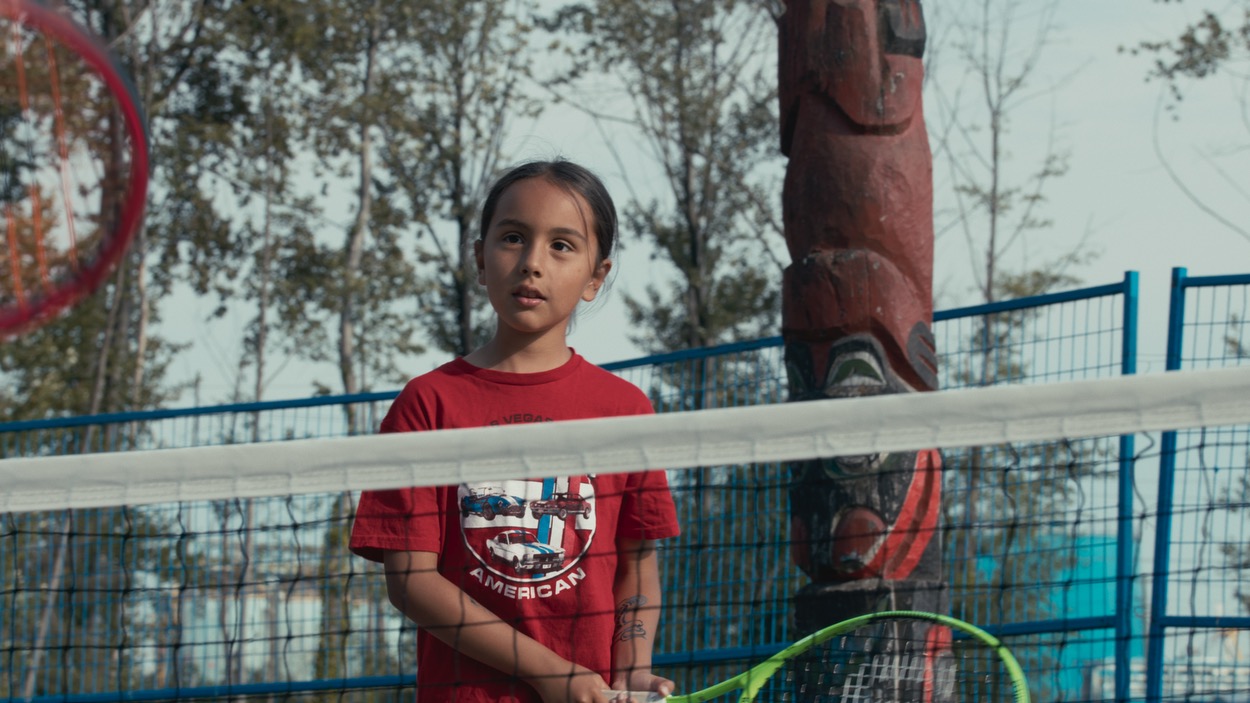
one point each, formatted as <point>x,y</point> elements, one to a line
<point>858,199</point>
<point>857,296</point>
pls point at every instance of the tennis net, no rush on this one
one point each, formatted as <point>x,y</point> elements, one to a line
<point>224,572</point>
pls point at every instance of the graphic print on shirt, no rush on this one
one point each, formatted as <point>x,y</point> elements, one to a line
<point>528,531</point>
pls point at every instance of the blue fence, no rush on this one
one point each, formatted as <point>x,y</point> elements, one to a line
<point>257,597</point>
<point>1199,635</point>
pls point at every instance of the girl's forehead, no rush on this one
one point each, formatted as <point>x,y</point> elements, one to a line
<point>538,201</point>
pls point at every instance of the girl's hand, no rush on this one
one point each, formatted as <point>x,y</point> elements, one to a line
<point>576,685</point>
<point>641,680</point>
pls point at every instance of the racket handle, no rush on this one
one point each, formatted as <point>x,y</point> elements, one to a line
<point>636,696</point>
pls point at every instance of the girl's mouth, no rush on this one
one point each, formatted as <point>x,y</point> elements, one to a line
<point>528,297</point>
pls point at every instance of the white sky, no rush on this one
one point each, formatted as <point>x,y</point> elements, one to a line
<point>1116,190</point>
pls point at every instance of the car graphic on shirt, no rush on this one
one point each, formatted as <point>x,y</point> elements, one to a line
<point>489,502</point>
<point>524,552</point>
<point>560,505</point>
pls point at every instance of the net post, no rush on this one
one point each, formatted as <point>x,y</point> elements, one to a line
<point>1167,471</point>
<point>1124,526</point>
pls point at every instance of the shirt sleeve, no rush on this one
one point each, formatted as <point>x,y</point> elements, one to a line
<point>404,519</point>
<point>647,510</point>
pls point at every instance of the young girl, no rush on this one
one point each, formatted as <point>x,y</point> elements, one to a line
<point>527,590</point>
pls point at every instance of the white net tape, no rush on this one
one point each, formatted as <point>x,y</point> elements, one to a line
<point>771,433</point>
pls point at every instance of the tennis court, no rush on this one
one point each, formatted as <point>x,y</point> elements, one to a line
<point>1091,557</point>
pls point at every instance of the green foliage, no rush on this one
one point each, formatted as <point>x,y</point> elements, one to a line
<point>99,356</point>
<point>1218,43</point>
<point>1220,39</point>
<point>459,87</point>
<point>721,295</point>
<point>12,163</point>
<point>701,78</point>
<point>277,219</point>
<point>52,371</point>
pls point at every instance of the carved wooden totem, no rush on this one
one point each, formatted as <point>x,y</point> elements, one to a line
<point>857,301</point>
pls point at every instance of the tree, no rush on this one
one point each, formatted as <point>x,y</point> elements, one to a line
<point>992,54</point>
<point>460,83</point>
<point>1237,498</point>
<point>253,165</point>
<point>53,371</point>
<point>998,46</point>
<point>100,356</point>
<point>1219,40</point>
<point>700,75</point>
<point>1007,555</point>
<point>353,287</point>
<point>1238,555</point>
<point>71,592</point>
<point>221,133</point>
<point>1217,44</point>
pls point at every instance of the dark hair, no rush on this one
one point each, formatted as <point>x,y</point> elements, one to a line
<point>571,177</point>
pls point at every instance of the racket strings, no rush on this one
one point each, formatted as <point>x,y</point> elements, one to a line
<point>894,664</point>
<point>15,260</point>
<point>881,667</point>
<point>887,678</point>
<point>47,164</point>
<point>14,55</point>
<point>58,116</point>
<point>27,232</point>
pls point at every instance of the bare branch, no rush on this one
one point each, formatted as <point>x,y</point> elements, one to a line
<point>1180,183</point>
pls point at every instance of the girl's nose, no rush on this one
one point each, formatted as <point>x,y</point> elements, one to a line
<point>531,261</point>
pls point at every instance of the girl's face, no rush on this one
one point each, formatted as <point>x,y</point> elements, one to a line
<point>539,257</point>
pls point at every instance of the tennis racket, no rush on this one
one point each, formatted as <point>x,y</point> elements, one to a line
<point>891,656</point>
<point>73,163</point>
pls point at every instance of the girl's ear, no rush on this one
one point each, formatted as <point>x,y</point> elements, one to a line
<point>481,262</point>
<point>596,281</point>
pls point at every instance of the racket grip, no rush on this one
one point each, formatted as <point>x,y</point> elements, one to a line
<point>636,696</point>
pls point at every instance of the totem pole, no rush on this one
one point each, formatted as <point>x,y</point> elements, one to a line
<point>857,297</point>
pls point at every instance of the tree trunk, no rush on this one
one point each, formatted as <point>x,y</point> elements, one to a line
<point>141,334</point>
<point>460,209</point>
<point>356,239</point>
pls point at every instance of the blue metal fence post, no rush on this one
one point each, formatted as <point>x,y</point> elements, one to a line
<point>1167,477</point>
<point>1124,527</point>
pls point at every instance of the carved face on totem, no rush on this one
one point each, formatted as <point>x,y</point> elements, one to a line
<point>863,54</point>
<point>858,296</point>
<point>860,516</point>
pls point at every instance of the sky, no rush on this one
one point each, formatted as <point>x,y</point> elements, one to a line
<point>1117,200</point>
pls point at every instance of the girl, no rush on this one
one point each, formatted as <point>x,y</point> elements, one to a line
<point>527,590</point>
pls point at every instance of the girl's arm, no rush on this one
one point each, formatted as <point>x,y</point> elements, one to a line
<point>637,596</point>
<point>439,607</point>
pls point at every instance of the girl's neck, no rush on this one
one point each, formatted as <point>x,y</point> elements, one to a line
<point>521,355</point>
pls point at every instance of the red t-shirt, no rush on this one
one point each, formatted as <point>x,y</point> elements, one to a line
<point>540,554</point>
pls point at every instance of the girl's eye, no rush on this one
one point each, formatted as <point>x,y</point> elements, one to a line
<point>562,246</point>
<point>511,238</point>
